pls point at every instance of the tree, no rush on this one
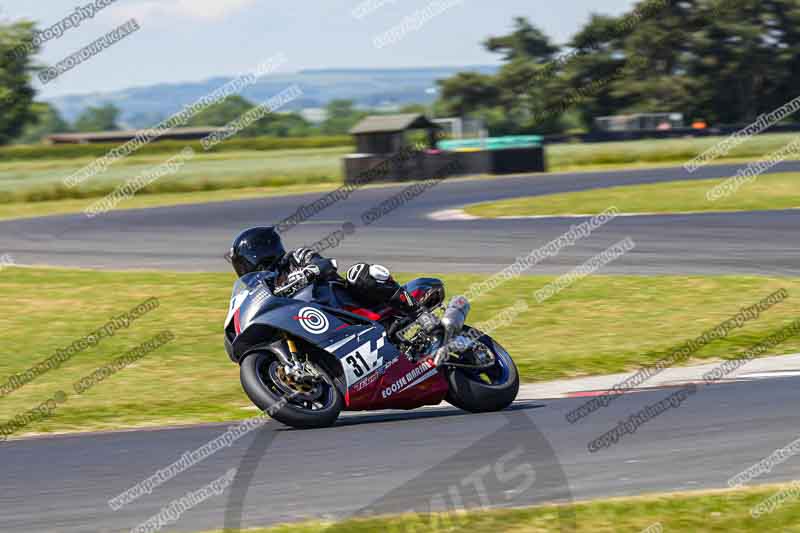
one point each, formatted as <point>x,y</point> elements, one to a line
<point>47,121</point>
<point>222,113</point>
<point>467,92</point>
<point>785,22</point>
<point>235,107</point>
<point>596,70</point>
<point>516,99</point>
<point>102,118</point>
<point>284,125</point>
<point>746,54</point>
<point>524,43</point>
<point>726,61</point>
<point>341,116</point>
<point>16,69</point>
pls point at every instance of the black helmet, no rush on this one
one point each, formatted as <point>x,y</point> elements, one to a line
<point>255,249</point>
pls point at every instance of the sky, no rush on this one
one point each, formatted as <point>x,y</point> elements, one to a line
<point>192,40</point>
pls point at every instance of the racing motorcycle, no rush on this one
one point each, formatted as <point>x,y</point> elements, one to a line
<point>308,351</point>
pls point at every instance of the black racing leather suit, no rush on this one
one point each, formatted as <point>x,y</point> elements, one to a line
<point>304,259</point>
<point>370,285</point>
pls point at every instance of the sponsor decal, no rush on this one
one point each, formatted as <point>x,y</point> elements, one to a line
<point>354,272</point>
<point>312,320</point>
<point>236,303</point>
<point>372,378</point>
<point>418,374</point>
<point>366,382</point>
<point>382,370</point>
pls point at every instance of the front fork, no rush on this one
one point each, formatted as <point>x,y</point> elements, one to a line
<point>295,365</point>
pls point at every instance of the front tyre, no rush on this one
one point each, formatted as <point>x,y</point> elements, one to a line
<point>487,390</point>
<point>302,406</point>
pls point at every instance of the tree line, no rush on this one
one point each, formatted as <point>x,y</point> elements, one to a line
<point>720,61</point>
<point>341,116</point>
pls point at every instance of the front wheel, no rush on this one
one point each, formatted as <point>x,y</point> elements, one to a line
<point>299,405</point>
<point>487,390</point>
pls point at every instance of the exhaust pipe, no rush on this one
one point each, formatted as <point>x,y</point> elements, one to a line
<point>455,316</point>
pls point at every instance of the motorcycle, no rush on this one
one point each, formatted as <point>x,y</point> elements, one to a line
<point>307,351</point>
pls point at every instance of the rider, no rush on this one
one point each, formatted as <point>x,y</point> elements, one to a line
<point>261,249</point>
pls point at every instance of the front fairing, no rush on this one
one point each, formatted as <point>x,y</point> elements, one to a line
<point>243,289</point>
<point>256,315</point>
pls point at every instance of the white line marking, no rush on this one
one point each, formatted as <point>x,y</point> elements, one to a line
<point>767,375</point>
<point>452,214</point>
<point>460,214</point>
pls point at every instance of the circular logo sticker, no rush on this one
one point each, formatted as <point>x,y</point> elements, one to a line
<point>313,321</point>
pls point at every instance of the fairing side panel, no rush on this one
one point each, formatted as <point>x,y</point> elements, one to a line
<point>307,321</point>
<point>399,384</point>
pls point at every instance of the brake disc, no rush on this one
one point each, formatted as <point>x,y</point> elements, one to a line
<point>304,391</point>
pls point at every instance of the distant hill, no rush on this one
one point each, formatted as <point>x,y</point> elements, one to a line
<point>145,106</point>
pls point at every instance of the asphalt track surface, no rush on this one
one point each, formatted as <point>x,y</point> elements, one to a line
<point>195,237</point>
<point>398,462</point>
<point>403,461</point>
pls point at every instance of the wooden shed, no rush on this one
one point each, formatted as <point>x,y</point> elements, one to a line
<point>386,134</point>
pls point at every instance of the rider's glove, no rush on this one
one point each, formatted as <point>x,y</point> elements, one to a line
<point>296,277</point>
<point>304,275</point>
<point>311,272</point>
<point>302,256</point>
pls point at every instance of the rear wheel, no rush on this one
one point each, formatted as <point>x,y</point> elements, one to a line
<point>301,405</point>
<point>491,389</point>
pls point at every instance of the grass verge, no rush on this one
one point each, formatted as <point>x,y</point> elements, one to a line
<point>76,151</point>
<point>601,325</point>
<point>42,181</point>
<point>39,180</point>
<point>706,512</point>
<point>769,191</point>
<point>76,206</point>
<point>660,151</point>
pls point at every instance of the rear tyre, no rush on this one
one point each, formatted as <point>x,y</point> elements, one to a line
<point>297,405</point>
<point>486,391</point>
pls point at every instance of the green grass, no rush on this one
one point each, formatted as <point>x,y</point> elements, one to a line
<point>769,191</point>
<point>39,152</point>
<point>705,512</point>
<point>600,325</point>
<point>665,151</point>
<point>26,181</point>
<point>70,206</point>
<point>39,181</point>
